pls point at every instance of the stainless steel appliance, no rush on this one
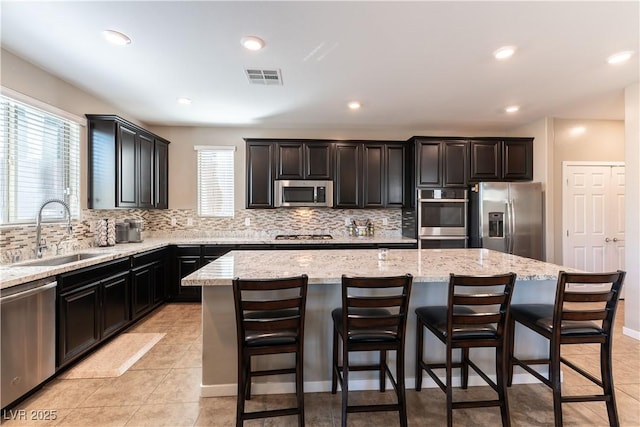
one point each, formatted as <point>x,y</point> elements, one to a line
<point>28,316</point>
<point>297,193</point>
<point>122,232</point>
<point>507,217</point>
<point>442,218</point>
<point>135,230</point>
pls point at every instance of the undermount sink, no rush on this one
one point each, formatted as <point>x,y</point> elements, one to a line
<point>59,260</point>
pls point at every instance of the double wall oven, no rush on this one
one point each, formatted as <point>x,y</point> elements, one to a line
<point>442,218</point>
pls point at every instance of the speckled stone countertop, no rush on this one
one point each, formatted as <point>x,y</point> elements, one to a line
<point>327,266</point>
<point>19,273</point>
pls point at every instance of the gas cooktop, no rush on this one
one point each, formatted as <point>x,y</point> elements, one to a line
<point>304,237</point>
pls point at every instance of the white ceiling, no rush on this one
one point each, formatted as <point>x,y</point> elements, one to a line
<point>413,65</point>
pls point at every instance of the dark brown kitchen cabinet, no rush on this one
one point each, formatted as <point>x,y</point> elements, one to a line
<point>148,281</point>
<point>501,159</point>
<point>93,304</point>
<point>369,175</point>
<point>128,165</point>
<point>185,260</point>
<point>161,175</point>
<point>346,185</point>
<point>303,160</point>
<point>259,169</point>
<point>441,163</point>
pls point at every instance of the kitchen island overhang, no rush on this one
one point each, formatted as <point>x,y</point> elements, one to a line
<point>536,283</point>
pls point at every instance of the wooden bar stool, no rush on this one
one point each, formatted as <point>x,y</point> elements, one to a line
<point>576,317</point>
<point>373,317</point>
<point>269,320</point>
<point>475,316</point>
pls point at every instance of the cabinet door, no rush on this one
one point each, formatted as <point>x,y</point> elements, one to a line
<point>485,160</point>
<point>145,171</point>
<point>142,280</point>
<point>455,164</point>
<point>373,179</point>
<point>159,273</point>
<point>318,158</point>
<point>127,168</point>
<point>347,179</point>
<point>186,265</point>
<point>259,175</point>
<point>116,309</point>
<point>517,159</point>
<point>395,175</point>
<point>429,155</point>
<point>290,160</point>
<point>79,327</point>
<point>161,175</point>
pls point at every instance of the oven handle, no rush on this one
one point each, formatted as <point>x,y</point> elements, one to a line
<point>442,237</point>
<point>443,200</point>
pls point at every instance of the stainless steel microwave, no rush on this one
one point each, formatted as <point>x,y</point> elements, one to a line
<point>300,193</point>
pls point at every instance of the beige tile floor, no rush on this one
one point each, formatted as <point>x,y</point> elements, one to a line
<point>162,388</point>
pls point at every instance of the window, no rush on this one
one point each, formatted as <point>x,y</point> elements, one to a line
<point>40,161</point>
<point>215,181</point>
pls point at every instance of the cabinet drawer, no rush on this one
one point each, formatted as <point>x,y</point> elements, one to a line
<point>94,273</point>
<point>148,257</point>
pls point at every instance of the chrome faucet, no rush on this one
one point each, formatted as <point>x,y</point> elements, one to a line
<point>40,243</point>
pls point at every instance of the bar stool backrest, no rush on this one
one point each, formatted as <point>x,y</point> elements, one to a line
<point>597,306</point>
<point>487,297</point>
<point>375,303</point>
<point>270,306</point>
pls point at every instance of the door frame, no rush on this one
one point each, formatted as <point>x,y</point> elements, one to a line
<point>565,167</point>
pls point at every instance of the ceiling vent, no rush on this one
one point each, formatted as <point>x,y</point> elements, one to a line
<point>263,77</point>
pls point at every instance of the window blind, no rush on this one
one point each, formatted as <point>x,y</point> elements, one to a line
<point>40,154</point>
<point>215,181</point>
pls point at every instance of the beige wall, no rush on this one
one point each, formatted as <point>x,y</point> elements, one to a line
<point>603,140</point>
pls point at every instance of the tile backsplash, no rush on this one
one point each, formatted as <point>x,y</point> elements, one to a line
<point>18,242</point>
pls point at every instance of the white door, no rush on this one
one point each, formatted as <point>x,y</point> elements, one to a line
<point>593,216</point>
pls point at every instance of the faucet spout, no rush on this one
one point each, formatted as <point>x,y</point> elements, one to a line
<point>40,245</point>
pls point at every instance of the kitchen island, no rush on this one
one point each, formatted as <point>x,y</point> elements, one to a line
<point>536,283</point>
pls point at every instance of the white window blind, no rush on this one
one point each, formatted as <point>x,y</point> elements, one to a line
<point>40,154</point>
<point>215,181</point>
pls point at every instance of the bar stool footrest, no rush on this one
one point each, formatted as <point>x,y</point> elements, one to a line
<point>270,413</point>
<point>373,408</point>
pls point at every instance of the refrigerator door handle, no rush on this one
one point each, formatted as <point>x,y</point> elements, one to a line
<point>512,226</point>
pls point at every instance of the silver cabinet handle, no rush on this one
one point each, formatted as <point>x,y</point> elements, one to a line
<point>615,239</point>
<point>607,239</point>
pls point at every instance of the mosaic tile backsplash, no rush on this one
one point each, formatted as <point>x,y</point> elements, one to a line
<point>18,243</point>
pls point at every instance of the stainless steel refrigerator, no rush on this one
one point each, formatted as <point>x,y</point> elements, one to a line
<point>507,217</point>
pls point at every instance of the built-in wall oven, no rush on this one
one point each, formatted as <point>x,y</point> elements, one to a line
<point>442,218</point>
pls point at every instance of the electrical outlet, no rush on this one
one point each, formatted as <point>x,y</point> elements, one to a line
<point>385,221</point>
<point>189,222</point>
<point>174,222</point>
<point>247,222</point>
<point>347,221</point>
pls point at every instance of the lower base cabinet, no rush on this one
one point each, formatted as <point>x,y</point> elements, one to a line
<point>93,304</point>
<point>148,281</point>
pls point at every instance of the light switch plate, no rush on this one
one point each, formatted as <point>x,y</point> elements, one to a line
<point>174,222</point>
<point>189,222</point>
<point>247,222</point>
<point>385,221</point>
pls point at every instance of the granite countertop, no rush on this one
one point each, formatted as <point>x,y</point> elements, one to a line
<point>327,266</point>
<point>18,273</point>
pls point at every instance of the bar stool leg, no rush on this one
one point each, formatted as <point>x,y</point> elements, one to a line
<point>242,387</point>
<point>334,370</point>
<point>501,382</point>
<point>345,384</point>
<point>299,385</point>
<point>448,375</point>
<point>402,399</point>
<point>510,337</point>
<point>419,353</point>
<point>383,374</point>
<point>465,368</point>
<point>556,386</point>
<point>607,382</point>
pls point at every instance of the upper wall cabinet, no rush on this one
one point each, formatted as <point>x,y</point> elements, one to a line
<point>304,160</point>
<point>501,159</point>
<point>128,165</point>
<point>441,162</point>
<point>259,191</point>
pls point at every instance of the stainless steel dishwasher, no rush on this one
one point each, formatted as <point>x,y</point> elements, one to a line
<point>28,318</point>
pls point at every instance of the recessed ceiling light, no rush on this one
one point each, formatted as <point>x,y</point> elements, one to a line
<point>116,37</point>
<point>512,109</point>
<point>184,101</point>
<point>619,57</point>
<point>504,52</point>
<point>578,130</point>
<point>252,43</point>
<point>354,105</point>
